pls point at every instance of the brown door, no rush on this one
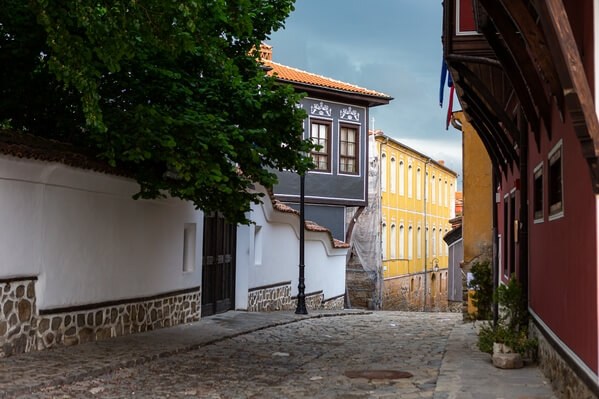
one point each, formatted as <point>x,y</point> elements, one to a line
<point>218,265</point>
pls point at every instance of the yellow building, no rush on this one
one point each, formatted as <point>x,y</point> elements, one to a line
<point>417,202</point>
<point>477,222</point>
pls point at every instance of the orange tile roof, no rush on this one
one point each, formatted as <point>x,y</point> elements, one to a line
<point>295,75</point>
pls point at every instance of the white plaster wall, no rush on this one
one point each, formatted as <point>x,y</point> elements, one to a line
<point>86,239</point>
<point>325,265</point>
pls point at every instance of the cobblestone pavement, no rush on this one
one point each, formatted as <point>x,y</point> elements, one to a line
<point>278,355</point>
<point>306,359</point>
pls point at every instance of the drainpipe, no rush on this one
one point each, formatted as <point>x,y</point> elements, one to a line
<point>425,229</point>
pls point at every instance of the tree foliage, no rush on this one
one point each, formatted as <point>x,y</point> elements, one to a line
<point>169,90</point>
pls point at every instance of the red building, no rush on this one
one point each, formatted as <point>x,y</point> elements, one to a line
<point>524,72</point>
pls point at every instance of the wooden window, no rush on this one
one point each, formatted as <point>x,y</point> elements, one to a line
<point>538,193</point>
<point>349,139</point>
<point>434,242</point>
<point>555,182</point>
<point>320,133</point>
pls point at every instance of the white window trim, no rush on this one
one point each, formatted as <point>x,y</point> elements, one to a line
<point>360,145</point>
<point>534,172</point>
<point>556,147</point>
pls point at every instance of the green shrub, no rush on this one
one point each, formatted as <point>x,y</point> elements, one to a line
<point>512,326</point>
<point>482,283</point>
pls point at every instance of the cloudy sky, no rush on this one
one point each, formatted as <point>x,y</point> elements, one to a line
<point>392,46</point>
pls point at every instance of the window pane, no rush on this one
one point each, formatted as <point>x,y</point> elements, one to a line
<point>351,151</point>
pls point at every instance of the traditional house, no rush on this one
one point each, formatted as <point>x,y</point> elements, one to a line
<point>338,122</point>
<point>416,206</point>
<point>525,74</point>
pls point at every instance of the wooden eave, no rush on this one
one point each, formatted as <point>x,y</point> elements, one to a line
<point>534,43</point>
<point>339,95</point>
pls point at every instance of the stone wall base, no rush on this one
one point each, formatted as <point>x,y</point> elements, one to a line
<point>278,297</point>
<point>407,293</point>
<point>23,329</point>
<point>566,382</point>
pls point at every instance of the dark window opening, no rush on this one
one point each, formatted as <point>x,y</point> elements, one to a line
<point>538,194</point>
<point>505,234</point>
<point>512,228</point>
<point>554,181</point>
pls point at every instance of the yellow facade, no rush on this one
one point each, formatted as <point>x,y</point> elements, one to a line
<point>407,178</point>
<point>477,222</point>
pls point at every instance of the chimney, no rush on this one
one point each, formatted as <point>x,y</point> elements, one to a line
<point>441,162</point>
<point>266,52</point>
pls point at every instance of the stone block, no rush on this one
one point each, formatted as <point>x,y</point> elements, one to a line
<point>508,360</point>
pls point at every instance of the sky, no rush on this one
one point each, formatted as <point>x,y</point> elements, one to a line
<point>391,46</point>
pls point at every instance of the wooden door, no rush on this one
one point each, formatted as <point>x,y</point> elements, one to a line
<point>218,265</point>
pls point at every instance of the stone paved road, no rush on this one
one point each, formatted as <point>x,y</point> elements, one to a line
<point>306,359</point>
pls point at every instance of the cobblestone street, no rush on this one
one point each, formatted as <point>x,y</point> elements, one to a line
<point>295,358</point>
<point>303,359</point>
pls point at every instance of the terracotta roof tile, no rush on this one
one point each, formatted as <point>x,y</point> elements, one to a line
<point>309,225</point>
<point>290,74</point>
<point>25,145</point>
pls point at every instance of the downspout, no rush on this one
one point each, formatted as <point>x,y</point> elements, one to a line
<point>425,230</point>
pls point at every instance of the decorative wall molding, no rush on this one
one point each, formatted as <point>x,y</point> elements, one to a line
<point>349,114</point>
<point>320,109</point>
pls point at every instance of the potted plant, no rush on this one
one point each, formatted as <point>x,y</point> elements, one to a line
<point>508,340</point>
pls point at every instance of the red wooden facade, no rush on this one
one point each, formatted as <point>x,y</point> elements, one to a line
<point>526,80</point>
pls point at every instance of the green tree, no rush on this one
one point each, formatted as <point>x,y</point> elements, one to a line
<point>170,91</point>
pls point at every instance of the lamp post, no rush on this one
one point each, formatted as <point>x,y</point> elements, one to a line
<point>301,288</point>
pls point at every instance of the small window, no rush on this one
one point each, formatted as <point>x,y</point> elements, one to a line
<point>538,193</point>
<point>433,190</point>
<point>384,234</point>
<point>401,178</point>
<point>383,172</point>
<point>393,252</point>
<point>348,149</point>
<point>410,181</point>
<point>555,182</point>
<point>419,242</point>
<point>410,242</point>
<point>401,242</point>
<point>418,184</point>
<point>189,247</point>
<point>320,133</point>
<point>392,175</point>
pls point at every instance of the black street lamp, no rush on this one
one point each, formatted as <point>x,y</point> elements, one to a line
<point>301,294</point>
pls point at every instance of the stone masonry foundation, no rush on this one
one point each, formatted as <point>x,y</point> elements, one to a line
<point>407,293</point>
<point>23,329</point>
<point>278,297</point>
<point>564,379</point>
